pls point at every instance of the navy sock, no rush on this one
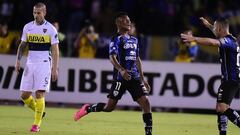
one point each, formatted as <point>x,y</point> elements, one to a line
<point>96,107</point>
<point>147,119</point>
<point>233,116</point>
<point>222,124</point>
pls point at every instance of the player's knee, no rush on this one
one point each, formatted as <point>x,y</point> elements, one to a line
<point>222,107</point>
<point>145,104</point>
<point>144,101</point>
<point>25,95</point>
<point>147,101</point>
<point>40,94</point>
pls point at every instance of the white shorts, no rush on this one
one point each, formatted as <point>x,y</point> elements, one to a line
<point>36,76</point>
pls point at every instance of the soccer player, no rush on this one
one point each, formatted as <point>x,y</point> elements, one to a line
<point>185,52</point>
<point>127,74</point>
<point>40,36</point>
<point>229,57</point>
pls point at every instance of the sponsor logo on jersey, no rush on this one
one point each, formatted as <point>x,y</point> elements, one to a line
<point>130,58</point>
<point>132,52</point>
<point>130,45</point>
<point>37,38</point>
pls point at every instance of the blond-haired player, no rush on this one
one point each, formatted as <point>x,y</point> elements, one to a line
<point>40,36</point>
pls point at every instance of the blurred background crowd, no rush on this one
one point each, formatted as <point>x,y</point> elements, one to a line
<point>85,26</point>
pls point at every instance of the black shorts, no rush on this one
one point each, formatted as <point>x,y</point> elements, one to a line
<point>134,87</point>
<point>227,91</point>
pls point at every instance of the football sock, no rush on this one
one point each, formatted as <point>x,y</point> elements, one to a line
<point>222,124</point>
<point>147,119</point>
<point>96,107</point>
<point>30,102</point>
<point>233,116</point>
<point>40,106</point>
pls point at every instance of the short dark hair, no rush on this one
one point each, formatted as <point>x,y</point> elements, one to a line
<point>87,23</point>
<point>223,21</point>
<point>186,28</point>
<point>121,14</point>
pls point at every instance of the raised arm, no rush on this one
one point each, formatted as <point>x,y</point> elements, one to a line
<point>206,23</point>
<point>20,50</point>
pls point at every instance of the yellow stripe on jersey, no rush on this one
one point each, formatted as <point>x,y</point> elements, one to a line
<point>38,38</point>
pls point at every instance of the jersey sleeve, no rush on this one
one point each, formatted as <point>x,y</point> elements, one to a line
<point>54,36</point>
<point>24,34</point>
<point>113,46</point>
<point>226,42</point>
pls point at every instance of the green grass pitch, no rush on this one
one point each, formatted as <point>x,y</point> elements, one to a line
<point>17,120</point>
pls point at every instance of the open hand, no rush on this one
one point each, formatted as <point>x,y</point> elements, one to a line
<point>148,88</point>
<point>54,75</point>
<point>125,75</point>
<point>17,66</point>
<point>205,22</point>
<point>186,38</point>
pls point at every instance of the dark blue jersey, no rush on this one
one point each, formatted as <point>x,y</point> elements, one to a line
<point>229,58</point>
<point>126,49</point>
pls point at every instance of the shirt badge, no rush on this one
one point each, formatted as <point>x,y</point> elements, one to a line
<point>44,30</point>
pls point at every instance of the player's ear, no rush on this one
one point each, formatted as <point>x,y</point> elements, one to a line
<point>45,11</point>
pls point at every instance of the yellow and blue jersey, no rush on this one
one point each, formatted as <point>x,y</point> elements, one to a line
<point>185,53</point>
<point>39,39</point>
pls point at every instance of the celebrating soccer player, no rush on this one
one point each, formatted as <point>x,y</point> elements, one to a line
<point>40,36</point>
<point>127,74</point>
<point>229,52</point>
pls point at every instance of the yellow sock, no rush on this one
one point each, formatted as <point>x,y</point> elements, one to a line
<point>40,106</point>
<point>30,102</point>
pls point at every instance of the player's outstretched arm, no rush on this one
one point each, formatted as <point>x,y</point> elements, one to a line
<point>124,73</point>
<point>206,23</point>
<point>139,65</point>
<point>202,41</point>
<point>20,50</point>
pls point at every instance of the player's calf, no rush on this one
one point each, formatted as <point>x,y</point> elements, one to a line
<point>147,119</point>
<point>222,124</point>
<point>233,116</point>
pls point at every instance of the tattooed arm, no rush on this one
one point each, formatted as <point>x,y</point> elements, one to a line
<point>20,50</point>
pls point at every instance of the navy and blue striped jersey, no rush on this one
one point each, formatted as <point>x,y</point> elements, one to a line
<point>229,58</point>
<point>127,50</point>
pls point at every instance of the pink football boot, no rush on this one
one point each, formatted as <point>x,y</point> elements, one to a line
<point>81,112</point>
